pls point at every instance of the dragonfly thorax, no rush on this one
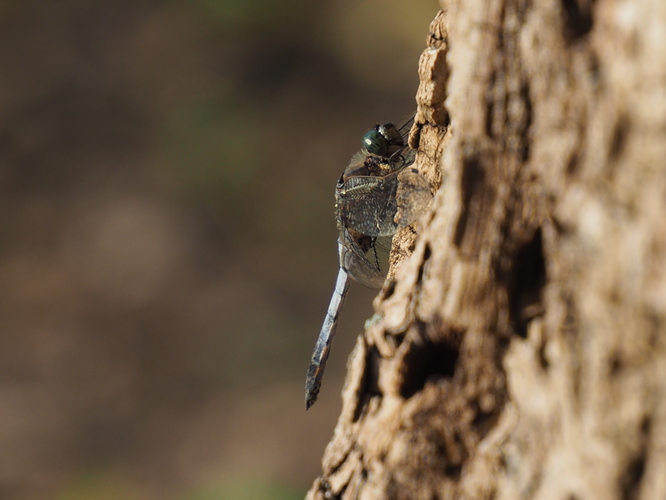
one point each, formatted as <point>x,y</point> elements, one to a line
<point>366,165</point>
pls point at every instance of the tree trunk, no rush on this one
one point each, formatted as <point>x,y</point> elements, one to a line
<point>521,350</point>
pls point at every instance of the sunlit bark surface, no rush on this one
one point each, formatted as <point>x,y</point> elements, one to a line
<point>521,350</point>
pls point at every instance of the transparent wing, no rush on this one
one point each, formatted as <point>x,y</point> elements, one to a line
<point>368,204</point>
<point>379,206</point>
<point>412,196</point>
<point>354,261</point>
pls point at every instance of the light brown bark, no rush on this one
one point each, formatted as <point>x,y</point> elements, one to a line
<point>521,350</point>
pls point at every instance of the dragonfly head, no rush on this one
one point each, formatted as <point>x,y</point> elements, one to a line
<point>383,140</point>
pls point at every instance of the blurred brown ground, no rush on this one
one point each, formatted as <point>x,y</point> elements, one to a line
<point>167,244</point>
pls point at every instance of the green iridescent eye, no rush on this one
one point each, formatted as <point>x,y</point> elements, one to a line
<point>375,143</point>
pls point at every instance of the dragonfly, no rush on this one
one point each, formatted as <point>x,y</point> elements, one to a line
<point>378,193</point>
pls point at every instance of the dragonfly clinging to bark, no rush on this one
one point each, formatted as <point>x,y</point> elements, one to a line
<point>378,193</point>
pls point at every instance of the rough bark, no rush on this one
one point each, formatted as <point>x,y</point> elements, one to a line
<point>521,348</point>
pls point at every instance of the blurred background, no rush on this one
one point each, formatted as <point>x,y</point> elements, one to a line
<point>167,242</point>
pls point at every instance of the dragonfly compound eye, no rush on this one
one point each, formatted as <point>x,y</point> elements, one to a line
<point>375,143</point>
<point>384,140</point>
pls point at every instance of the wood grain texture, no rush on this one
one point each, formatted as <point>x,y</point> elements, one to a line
<point>520,350</point>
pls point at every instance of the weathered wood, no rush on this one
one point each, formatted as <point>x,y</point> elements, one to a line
<point>521,348</point>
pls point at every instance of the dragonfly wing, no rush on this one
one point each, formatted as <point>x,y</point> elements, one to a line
<point>412,196</point>
<point>354,261</point>
<point>379,206</point>
<point>368,204</point>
